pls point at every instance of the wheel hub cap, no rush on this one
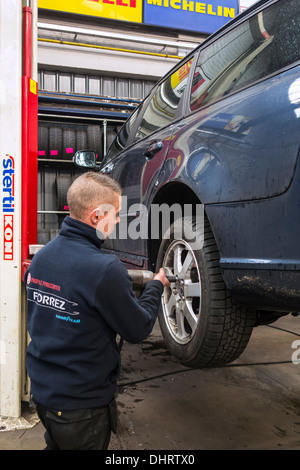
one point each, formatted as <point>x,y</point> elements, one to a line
<point>181,305</point>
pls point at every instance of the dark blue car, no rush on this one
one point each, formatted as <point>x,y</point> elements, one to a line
<point>217,140</point>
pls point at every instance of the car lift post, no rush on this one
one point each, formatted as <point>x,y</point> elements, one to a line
<point>29,161</point>
<point>17,120</point>
<point>29,139</point>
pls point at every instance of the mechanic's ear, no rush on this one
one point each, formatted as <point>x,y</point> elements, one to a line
<point>94,217</point>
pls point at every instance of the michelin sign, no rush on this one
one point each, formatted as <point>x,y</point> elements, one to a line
<point>190,14</point>
<point>194,15</point>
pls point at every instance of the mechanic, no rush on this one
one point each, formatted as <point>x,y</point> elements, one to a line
<point>78,300</point>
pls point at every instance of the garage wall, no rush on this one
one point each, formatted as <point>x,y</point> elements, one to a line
<point>91,84</point>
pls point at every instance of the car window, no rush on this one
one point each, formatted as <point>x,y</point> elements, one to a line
<point>263,44</point>
<point>164,102</point>
<point>121,139</point>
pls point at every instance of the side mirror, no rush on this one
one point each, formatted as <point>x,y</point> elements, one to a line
<point>85,159</point>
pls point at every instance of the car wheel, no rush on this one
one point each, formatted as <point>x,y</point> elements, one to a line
<point>202,325</point>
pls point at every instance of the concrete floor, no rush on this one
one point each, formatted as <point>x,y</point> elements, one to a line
<point>252,404</point>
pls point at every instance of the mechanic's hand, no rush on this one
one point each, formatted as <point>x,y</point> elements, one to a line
<point>161,276</point>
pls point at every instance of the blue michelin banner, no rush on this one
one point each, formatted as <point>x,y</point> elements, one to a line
<point>190,14</point>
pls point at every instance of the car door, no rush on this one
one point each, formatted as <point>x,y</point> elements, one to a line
<point>137,167</point>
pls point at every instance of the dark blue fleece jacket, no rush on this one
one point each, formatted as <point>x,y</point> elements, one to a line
<point>78,300</point>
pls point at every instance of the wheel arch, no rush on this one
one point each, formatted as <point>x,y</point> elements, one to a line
<point>171,193</point>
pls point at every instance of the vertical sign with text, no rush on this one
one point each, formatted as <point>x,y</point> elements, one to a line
<point>8,206</point>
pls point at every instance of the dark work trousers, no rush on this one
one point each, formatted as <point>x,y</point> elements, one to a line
<point>86,429</point>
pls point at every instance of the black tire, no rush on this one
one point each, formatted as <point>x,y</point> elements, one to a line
<point>69,143</point>
<point>43,140</point>
<point>110,137</point>
<point>62,183</point>
<point>55,142</point>
<point>201,324</point>
<point>94,140</point>
<point>81,140</point>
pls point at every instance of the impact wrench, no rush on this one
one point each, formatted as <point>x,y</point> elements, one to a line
<point>140,277</point>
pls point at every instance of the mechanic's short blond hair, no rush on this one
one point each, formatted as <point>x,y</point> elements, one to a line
<point>89,191</point>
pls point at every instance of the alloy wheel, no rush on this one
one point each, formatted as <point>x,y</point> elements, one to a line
<point>182,300</point>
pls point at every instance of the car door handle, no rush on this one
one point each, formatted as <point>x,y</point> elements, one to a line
<point>108,169</point>
<point>153,149</point>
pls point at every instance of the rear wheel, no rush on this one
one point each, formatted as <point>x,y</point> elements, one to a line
<point>201,324</point>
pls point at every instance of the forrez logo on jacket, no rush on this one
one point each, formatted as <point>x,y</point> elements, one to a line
<point>52,301</point>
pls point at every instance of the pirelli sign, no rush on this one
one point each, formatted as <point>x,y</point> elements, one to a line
<point>200,16</point>
<point>125,10</point>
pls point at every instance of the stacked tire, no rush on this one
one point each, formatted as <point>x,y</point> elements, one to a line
<point>83,138</point>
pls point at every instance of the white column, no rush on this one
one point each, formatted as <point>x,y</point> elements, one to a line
<point>10,205</point>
